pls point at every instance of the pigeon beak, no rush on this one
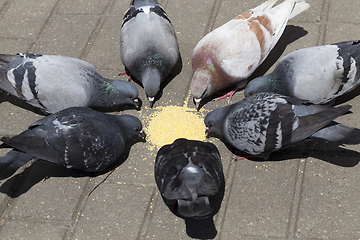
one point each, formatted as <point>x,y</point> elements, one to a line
<point>142,134</point>
<point>151,100</point>
<point>136,102</point>
<point>197,102</point>
<point>207,131</point>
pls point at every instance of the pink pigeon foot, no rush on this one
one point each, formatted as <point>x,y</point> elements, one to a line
<point>126,72</point>
<point>229,94</point>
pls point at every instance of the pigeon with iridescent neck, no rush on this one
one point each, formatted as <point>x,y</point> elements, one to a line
<point>228,55</point>
<point>149,48</point>
<point>316,75</point>
<point>77,138</point>
<point>53,83</point>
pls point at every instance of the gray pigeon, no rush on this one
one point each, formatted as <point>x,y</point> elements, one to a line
<point>265,122</point>
<point>149,48</point>
<point>53,83</point>
<point>190,177</point>
<point>77,138</point>
<point>316,75</point>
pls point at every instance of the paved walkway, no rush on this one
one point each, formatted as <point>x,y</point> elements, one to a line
<point>310,191</point>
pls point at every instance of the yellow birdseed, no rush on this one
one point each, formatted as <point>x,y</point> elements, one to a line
<point>173,122</point>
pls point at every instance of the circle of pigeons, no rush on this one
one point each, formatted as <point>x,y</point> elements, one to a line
<point>292,103</point>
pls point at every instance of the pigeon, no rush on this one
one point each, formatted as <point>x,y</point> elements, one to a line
<point>53,83</point>
<point>77,138</point>
<point>316,75</point>
<point>189,176</point>
<point>228,55</point>
<point>149,48</point>
<point>265,122</point>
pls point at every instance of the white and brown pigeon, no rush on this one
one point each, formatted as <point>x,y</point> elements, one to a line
<point>53,83</point>
<point>316,75</point>
<point>77,138</point>
<point>228,55</point>
<point>190,178</point>
<point>265,122</point>
<point>149,48</point>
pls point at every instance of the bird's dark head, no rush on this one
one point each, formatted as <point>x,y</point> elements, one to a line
<point>124,92</point>
<point>132,127</point>
<point>214,121</point>
<point>257,85</point>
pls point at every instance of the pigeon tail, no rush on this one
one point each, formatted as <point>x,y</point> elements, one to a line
<point>300,6</point>
<point>282,13</point>
<point>339,133</point>
<point>264,6</point>
<point>197,208</point>
<point>12,161</point>
<point>7,58</point>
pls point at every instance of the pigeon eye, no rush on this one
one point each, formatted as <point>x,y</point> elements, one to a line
<point>251,93</point>
<point>137,128</point>
<point>130,96</point>
<point>210,124</point>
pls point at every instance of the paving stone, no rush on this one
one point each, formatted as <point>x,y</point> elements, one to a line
<point>20,22</point>
<point>83,7</point>
<point>67,35</point>
<point>107,214</point>
<point>32,230</point>
<point>48,193</point>
<point>328,204</point>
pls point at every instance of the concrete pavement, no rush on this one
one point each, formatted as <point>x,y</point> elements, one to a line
<point>310,191</point>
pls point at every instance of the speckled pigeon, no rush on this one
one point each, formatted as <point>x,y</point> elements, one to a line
<point>228,55</point>
<point>189,176</point>
<point>77,138</point>
<point>53,83</point>
<point>149,48</point>
<point>265,122</point>
<point>316,75</point>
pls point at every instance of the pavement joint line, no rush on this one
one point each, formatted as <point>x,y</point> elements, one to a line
<point>296,200</point>
<point>229,182</point>
<point>45,25</point>
<point>213,14</point>
<point>324,17</point>
<point>5,7</point>
<point>79,208</point>
<point>149,213</point>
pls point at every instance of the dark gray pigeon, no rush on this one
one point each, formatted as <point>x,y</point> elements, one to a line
<point>316,75</point>
<point>265,122</point>
<point>53,83</point>
<point>190,177</point>
<point>149,48</point>
<point>77,138</point>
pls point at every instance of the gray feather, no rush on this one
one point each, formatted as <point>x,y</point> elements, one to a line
<point>316,75</point>
<point>78,138</point>
<point>265,122</point>
<point>149,48</point>
<point>53,83</point>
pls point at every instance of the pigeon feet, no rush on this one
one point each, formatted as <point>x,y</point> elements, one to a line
<point>229,94</point>
<point>126,72</point>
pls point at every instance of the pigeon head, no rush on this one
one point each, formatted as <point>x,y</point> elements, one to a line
<point>132,127</point>
<point>200,86</point>
<point>257,85</point>
<point>266,83</point>
<point>125,93</point>
<point>151,79</point>
<point>213,121</point>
